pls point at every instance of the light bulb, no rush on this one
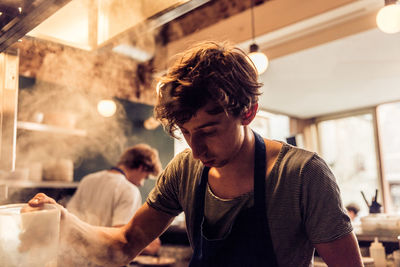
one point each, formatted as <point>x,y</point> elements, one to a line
<point>388,18</point>
<point>106,108</point>
<point>260,60</point>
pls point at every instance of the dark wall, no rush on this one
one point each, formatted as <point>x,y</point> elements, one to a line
<point>136,133</point>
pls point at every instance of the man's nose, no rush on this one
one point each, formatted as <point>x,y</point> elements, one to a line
<point>197,146</point>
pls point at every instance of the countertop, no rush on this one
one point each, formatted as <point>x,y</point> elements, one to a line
<point>180,253</point>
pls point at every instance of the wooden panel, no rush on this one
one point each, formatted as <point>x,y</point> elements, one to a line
<point>269,16</point>
<point>338,31</point>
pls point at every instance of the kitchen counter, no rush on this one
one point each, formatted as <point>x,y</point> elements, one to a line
<point>384,235</point>
<point>181,254</point>
<point>389,241</point>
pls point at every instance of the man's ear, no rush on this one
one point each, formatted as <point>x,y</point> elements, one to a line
<point>250,114</point>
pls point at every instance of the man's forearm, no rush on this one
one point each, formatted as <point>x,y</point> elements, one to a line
<point>101,245</point>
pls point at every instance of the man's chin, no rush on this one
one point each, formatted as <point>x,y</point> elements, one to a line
<point>214,164</point>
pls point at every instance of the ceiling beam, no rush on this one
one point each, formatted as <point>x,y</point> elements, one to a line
<point>326,35</point>
<point>269,16</point>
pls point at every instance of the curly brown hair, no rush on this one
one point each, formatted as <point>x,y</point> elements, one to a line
<point>141,155</point>
<point>208,72</point>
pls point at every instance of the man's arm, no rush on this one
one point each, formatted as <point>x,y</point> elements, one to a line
<point>343,252</point>
<point>145,228</point>
<point>152,248</point>
<point>109,246</point>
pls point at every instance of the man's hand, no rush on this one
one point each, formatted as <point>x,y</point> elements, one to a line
<point>40,199</point>
<point>40,223</point>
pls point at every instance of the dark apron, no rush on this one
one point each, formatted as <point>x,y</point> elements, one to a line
<point>249,241</point>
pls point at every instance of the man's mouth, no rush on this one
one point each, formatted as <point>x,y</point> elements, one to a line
<point>207,163</point>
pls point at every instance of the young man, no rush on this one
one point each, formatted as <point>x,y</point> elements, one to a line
<point>248,201</point>
<point>111,197</point>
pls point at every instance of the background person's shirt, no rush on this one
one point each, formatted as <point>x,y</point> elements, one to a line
<point>105,199</point>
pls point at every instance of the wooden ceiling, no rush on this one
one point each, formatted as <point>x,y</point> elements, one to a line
<point>231,20</point>
<point>222,20</point>
<point>218,20</point>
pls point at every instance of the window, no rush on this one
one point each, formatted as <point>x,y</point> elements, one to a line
<point>347,144</point>
<point>388,116</point>
<point>271,126</point>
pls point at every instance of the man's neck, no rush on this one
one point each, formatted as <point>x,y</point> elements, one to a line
<point>236,177</point>
<point>243,162</point>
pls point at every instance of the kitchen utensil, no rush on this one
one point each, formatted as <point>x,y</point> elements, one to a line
<point>375,207</point>
<point>29,238</point>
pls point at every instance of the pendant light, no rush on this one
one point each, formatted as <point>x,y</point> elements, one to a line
<point>106,107</point>
<point>388,17</point>
<point>259,59</point>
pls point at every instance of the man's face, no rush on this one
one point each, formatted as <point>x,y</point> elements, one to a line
<point>214,139</point>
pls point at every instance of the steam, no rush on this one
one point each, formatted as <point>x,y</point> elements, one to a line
<point>28,239</point>
<point>68,86</point>
<point>81,244</point>
<point>71,108</point>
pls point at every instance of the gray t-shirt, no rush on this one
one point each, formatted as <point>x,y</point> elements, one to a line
<point>302,199</point>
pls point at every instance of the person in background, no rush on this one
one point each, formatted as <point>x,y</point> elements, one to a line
<point>352,211</point>
<point>248,201</point>
<point>111,197</point>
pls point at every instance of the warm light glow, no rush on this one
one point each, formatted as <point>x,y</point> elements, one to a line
<point>260,60</point>
<point>151,123</point>
<point>388,18</point>
<point>158,87</point>
<point>106,108</point>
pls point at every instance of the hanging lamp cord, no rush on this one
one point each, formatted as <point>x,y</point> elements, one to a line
<point>252,21</point>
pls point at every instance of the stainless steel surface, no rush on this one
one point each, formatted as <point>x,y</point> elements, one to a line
<point>8,108</point>
<point>20,16</point>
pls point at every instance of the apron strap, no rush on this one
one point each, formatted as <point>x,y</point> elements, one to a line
<point>118,170</point>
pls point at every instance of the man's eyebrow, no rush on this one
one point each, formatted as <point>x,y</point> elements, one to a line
<point>211,123</point>
<point>207,124</point>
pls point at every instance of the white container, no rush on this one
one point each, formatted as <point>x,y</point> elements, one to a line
<point>30,238</point>
<point>20,174</point>
<point>58,170</point>
<point>377,252</point>
<point>3,192</point>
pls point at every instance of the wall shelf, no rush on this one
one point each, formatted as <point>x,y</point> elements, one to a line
<point>41,184</point>
<point>33,126</point>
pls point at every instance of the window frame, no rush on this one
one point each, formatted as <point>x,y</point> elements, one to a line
<point>386,205</point>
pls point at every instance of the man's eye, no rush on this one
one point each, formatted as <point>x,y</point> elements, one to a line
<point>210,133</point>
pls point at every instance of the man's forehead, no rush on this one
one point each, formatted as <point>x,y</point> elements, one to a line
<point>204,117</point>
